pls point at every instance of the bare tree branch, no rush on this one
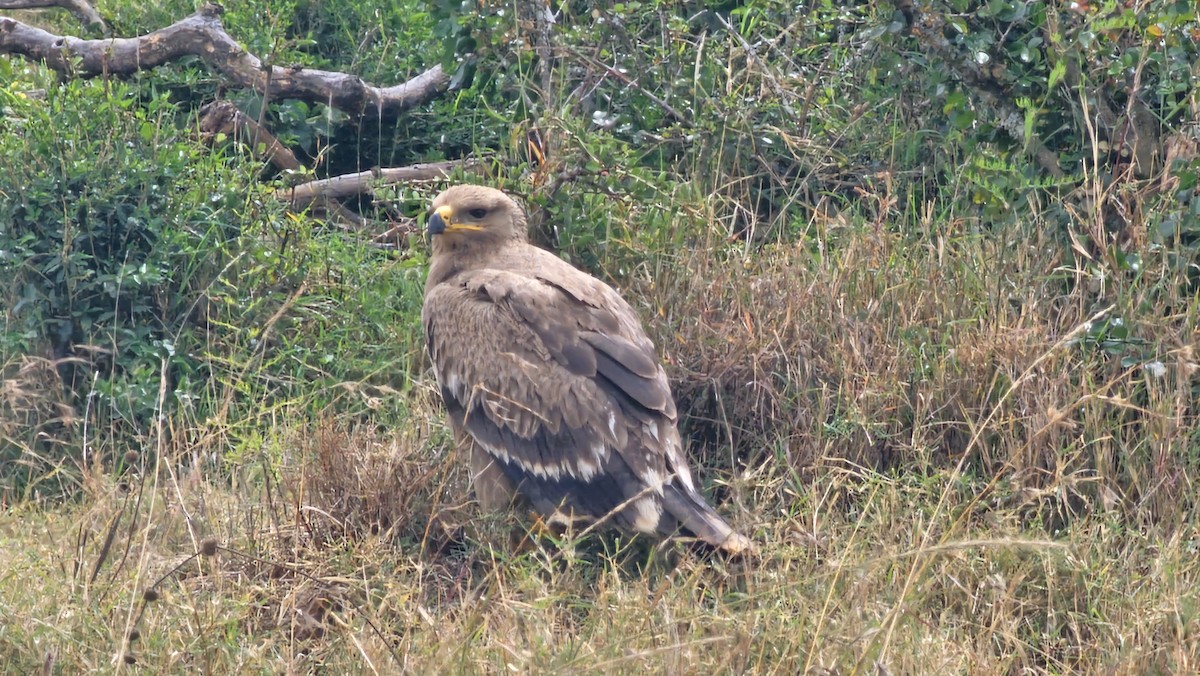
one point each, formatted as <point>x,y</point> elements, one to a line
<point>222,117</point>
<point>396,237</point>
<point>79,8</point>
<point>202,35</point>
<point>349,185</point>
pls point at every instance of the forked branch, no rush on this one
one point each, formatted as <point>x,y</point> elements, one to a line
<point>202,35</point>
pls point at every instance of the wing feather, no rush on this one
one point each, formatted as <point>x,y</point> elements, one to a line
<point>644,391</point>
<point>632,358</point>
<point>598,336</point>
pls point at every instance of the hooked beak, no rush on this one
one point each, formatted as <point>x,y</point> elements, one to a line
<point>441,219</point>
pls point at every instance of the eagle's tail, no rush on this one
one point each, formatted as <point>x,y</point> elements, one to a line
<point>689,510</point>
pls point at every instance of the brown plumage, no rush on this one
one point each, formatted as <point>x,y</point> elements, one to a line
<point>550,381</point>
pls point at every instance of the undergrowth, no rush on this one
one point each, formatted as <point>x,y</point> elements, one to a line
<point>860,570</point>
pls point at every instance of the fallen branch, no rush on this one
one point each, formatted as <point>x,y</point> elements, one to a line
<point>350,185</point>
<point>202,35</point>
<point>222,117</point>
<point>78,8</point>
<point>397,236</point>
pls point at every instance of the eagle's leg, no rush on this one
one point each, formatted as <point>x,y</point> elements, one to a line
<point>493,489</point>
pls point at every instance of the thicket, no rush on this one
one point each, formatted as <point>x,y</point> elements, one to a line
<point>901,235</point>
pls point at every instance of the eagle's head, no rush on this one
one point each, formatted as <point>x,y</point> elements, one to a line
<point>474,215</point>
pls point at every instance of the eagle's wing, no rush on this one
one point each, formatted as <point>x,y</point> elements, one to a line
<point>573,409</point>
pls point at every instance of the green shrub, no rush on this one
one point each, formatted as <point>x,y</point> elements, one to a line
<point>114,225</point>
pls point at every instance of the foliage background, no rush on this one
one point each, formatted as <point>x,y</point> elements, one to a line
<point>924,276</point>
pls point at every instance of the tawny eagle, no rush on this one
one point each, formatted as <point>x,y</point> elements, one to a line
<point>551,382</point>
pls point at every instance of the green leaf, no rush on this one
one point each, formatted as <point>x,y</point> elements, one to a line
<point>1056,75</point>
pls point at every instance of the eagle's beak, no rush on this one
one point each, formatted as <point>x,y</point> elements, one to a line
<point>440,220</point>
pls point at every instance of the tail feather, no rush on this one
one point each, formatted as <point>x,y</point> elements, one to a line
<point>689,510</point>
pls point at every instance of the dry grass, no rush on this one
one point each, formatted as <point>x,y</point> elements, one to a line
<point>33,409</point>
<point>945,463</point>
<point>859,572</point>
<point>882,349</point>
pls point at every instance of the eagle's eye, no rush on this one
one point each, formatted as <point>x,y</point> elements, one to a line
<point>477,213</point>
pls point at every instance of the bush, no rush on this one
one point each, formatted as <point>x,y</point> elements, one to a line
<point>115,228</point>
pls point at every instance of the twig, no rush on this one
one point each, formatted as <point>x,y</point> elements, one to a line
<point>752,55</point>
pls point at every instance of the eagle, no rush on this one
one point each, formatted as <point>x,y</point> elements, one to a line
<point>551,382</point>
